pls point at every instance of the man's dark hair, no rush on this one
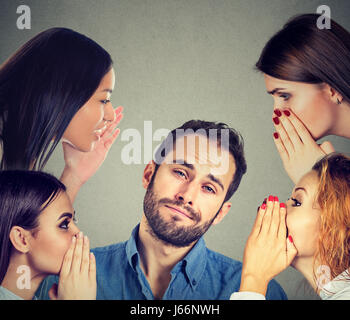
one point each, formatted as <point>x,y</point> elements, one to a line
<point>236,147</point>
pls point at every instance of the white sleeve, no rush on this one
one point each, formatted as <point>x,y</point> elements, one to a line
<point>247,295</point>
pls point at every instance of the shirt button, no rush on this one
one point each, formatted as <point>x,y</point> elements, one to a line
<point>194,282</point>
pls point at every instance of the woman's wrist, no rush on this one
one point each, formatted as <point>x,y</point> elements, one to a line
<point>253,283</point>
<point>72,183</point>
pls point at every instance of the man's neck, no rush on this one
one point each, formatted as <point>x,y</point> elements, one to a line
<point>157,259</point>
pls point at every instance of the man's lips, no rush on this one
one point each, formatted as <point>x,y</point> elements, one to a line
<point>177,210</point>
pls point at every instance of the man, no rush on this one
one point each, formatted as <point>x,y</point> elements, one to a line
<point>196,170</point>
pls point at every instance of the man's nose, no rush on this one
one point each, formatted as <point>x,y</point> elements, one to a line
<point>187,194</point>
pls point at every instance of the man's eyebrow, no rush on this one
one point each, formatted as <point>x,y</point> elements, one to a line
<point>275,90</point>
<point>300,188</point>
<point>183,163</point>
<point>191,167</point>
<point>216,180</point>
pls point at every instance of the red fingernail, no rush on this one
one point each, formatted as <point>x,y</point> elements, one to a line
<point>282,205</point>
<point>290,239</point>
<point>277,112</point>
<point>286,112</point>
<point>271,198</point>
<point>276,120</point>
<point>275,135</point>
<point>276,199</point>
<point>263,206</point>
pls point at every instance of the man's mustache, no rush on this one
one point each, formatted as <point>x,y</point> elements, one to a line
<point>194,215</point>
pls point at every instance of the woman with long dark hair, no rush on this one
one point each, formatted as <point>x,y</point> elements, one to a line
<point>57,87</point>
<point>310,232</point>
<point>38,237</point>
<point>307,71</point>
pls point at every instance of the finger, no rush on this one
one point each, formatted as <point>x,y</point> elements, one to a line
<point>265,226</point>
<point>86,256</point>
<point>53,292</point>
<point>291,250</point>
<point>118,110</point>
<point>76,264</point>
<point>283,135</point>
<point>303,132</point>
<point>327,147</point>
<point>92,267</point>
<point>291,132</point>
<point>111,127</point>
<point>280,147</point>
<point>275,218</point>
<point>108,143</point>
<point>282,229</point>
<point>67,260</point>
<point>258,220</point>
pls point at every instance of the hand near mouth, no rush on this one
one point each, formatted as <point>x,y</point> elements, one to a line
<point>81,166</point>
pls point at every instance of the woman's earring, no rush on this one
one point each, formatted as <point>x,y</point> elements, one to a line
<point>338,101</point>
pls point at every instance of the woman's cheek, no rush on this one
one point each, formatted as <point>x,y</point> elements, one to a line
<point>315,116</point>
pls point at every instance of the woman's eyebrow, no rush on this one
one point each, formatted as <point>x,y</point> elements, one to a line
<point>275,90</point>
<point>65,214</point>
<point>107,90</point>
<point>300,188</point>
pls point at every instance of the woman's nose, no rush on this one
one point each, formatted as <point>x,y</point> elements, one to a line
<point>109,114</point>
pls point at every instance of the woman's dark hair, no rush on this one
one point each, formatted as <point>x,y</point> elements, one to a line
<point>42,86</point>
<point>303,52</point>
<point>235,147</point>
<point>23,196</point>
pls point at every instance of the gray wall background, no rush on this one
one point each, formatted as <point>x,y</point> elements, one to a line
<point>177,60</point>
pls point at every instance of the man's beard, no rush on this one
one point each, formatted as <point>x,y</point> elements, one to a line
<point>168,232</point>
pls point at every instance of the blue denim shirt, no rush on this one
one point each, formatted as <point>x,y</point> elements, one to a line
<point>202,275</point>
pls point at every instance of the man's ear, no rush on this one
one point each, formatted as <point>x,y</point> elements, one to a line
<point>19,239</point>
<point>223,212</point>
<point>148,173</point>
<point>333,94</point>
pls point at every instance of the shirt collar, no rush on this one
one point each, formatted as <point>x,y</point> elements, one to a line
<point>338,284</point>
<point>131,248</point>
<point>194,262</point>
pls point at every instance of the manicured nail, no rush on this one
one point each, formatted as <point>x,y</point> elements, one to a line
<point>271,198</point>
<point>275,135</point>
<point>276,120</point>
<point>263,206</point>
<point>286,112</point>
<point>277,112</point>
<point>276,199</point>
<point>290,239</point>
<point>282,205</point>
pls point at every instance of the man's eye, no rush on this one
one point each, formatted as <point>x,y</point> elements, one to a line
<point>209,189</point>
<point>180,173</point>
